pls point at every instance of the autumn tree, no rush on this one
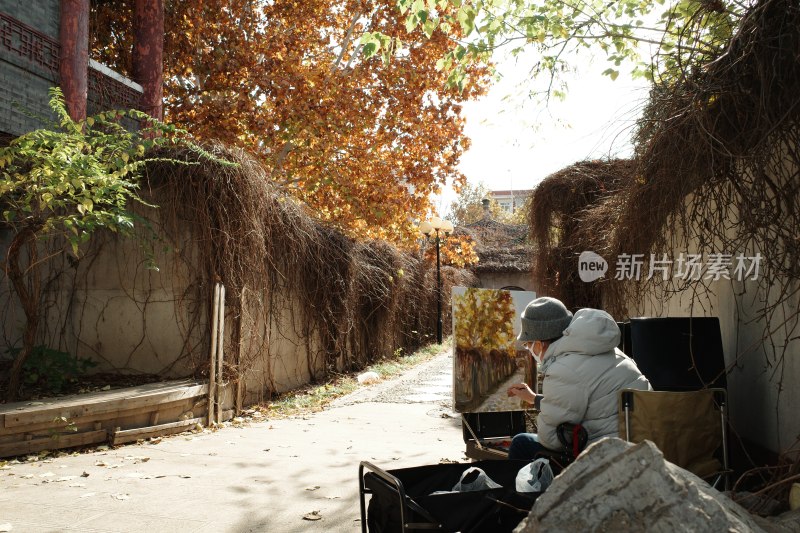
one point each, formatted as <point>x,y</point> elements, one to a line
<point>456,249</point>
<point>520,213</point>
<point>468,205</point>
<point>363,139</point>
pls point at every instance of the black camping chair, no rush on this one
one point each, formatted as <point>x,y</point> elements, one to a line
<point>573,439</point>
<point>404,500</point>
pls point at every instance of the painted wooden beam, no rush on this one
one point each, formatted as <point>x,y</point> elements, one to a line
<point>148,54</point>
<point>74,60</point>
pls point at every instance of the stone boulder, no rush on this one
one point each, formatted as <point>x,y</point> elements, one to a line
<point>788,522</point>
<point>621,487</point>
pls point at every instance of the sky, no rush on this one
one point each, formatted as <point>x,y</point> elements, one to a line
<point>517,142</point>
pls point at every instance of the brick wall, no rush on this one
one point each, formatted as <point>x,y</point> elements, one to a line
<point>40,14</point>
<point>29,53</point>
<point>28,62</point>
<point>22,93</point>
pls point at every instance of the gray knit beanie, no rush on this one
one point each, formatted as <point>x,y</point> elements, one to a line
<point>544,318</point>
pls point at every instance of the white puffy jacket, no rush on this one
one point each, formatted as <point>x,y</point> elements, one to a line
<point>583,371</point>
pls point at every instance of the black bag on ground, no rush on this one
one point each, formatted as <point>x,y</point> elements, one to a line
<point>493,510</point>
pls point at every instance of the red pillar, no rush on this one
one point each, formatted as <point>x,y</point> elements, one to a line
<point>74,58</point>
<point>148,54</point>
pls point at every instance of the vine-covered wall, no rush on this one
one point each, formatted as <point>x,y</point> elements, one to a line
<point>716,173</point>
<point>302,300</point>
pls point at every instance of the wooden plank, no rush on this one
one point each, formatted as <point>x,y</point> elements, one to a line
<point>159,409</point>
<point>90,397</point>
<point>131,435</point>
<point>133,400</point>
<point>49,443</point>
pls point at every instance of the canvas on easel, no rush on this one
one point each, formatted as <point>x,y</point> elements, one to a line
<point>487,358</point>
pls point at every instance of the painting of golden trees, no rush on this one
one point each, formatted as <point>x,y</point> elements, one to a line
<point>487,357</point>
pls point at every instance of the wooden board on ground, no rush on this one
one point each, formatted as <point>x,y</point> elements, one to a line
<point>52,443</point>
<point>78,406</point>
<point>132,435</point>
<point>118,416</point>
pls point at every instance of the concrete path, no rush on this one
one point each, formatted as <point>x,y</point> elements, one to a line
<point>289,475</point>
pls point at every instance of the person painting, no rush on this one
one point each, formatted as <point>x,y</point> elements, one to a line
<point>582,371</point>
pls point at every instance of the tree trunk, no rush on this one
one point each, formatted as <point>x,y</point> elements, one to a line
<point>29,299</point>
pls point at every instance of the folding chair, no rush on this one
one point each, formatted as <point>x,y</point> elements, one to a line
<point>689,427</point>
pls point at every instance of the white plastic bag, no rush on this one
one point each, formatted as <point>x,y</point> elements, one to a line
<point>534,477</point>
<point>480,482</point>
<point>368,378</point>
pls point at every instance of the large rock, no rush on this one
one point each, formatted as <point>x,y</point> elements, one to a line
<point>788,522</point>
<point>620,487</point>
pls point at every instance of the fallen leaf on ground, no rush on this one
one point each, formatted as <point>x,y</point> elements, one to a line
<point>315,487</point>
<point>85,474</point>
<point>313,515</point>
<point>120,496</point>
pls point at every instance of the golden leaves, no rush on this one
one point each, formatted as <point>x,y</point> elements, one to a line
<point>368,141</point>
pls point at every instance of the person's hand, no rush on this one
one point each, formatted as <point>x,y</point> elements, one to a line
<point>522,391</point>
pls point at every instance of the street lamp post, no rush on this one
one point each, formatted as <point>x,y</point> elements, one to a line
<point>429,228</point>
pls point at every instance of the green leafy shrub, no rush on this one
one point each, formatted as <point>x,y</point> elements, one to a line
<point>50,370</point>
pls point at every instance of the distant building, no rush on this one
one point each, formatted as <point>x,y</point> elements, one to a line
<point>504,253</point>
<point>510,201</point>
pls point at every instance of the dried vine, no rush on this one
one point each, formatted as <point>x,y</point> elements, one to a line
<point>565,222</point>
